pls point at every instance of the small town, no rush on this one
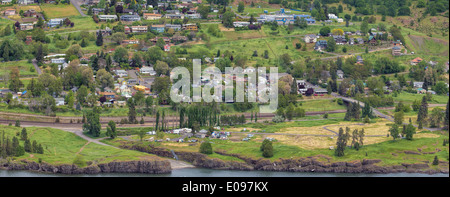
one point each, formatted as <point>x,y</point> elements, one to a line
<point>362,87</point>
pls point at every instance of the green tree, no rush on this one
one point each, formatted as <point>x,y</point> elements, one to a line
<point>227,19</point>
<point>99,41</point>
<point>435,161</point>
<point>14,81</point>
<point>27,146</point>
<point>92,125</point>
<point>111,130</point>
<point>410,131</point>
<point>241,7</point>
<point>131,110</point>
<point>423,110</point>
<point>206,148</point>
<point>23,134</point>
<point>267,148</point>
<point>398,117</point>
<point>82,93</point>
<point>340,144</point>
<point>324,31</point>
<point>364,27</point>
<point>394,131</point>
<point>331,44</point>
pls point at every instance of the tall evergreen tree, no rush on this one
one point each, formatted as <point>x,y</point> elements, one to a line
<point>423,111</point>
<point>99,41</point>
<point>340,144</point>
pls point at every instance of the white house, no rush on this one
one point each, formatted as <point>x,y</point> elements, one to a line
<point>59,101</point>
<point>311,38</point>
<point>340,20</point>
<point>147,70</point>
<point>122,73</point>
<point>107,17</point>
<point>58,61</point>
<point>332,16</point>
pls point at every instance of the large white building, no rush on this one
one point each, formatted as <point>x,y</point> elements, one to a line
<point>107,17</point>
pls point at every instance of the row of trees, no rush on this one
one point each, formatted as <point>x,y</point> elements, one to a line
<point>11,147</point>
<point>343,140</point>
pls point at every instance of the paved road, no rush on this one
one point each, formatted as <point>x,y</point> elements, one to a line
<point>36,67</point>
<point>77,3</point>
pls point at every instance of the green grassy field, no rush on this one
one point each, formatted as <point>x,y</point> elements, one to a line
<point>59,11</point>
<point>61,147</point>
<point>410,98</point>
<point>25,69</point>
<point>321,105</point>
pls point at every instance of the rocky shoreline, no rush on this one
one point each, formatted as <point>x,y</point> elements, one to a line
<point>150,167</point>
<point>319,164</point>
<point>309,164</point>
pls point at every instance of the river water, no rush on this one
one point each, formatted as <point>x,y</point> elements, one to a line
<point>201,172</point>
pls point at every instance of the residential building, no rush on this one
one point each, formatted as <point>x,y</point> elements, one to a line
<point>130,42</point>
<point>58,61</point>
<point>25,2</point>
<point>130,18</point>
<point>332,16</point>
<point>177,38</point>
<point>126,29</point>
<point>151,16</point>
<point>4,2</point>
<point>165,39</point>
<point>55,22</point>
<point>30,13</point>
<point>107,17</point>
<point>416,60</point>
<point>190,27</point>
<point>166,48</point>
<point>59,101</point>
<point>359,60</point>
<point>320,45</point>
<point>139,29</point>
<point>311,21</point>
<point>396,51</point>
<point>372,40</point>
<point>147,70</point>
<point>359,41</point>
<point>158,28</point>
<point>93,2</point>
<point>96,11</point>
<point>241,24</point>
<point>174,16</point>
<point>418,84</point>
<point>173,11</point>
<point>193,16</point>
<point>340,20</point>
<point>340,40</point>
<point>310,38</point>
<point>340,74</point>
<point>10,12</point>
<point>301,86</point>
<point>28,40</point>
<point>174,27</point>
<point>122,73</point>
<point>26,26</point>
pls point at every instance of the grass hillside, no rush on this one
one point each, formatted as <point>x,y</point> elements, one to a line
<point>61,147</point>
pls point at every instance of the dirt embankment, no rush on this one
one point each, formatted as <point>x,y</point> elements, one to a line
<point>309,164</point>
<point>150,167</point>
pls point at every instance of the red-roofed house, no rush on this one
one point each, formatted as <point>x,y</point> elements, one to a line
<point>416,61</point>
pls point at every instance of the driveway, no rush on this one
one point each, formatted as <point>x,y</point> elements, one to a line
<point>77,3</point>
